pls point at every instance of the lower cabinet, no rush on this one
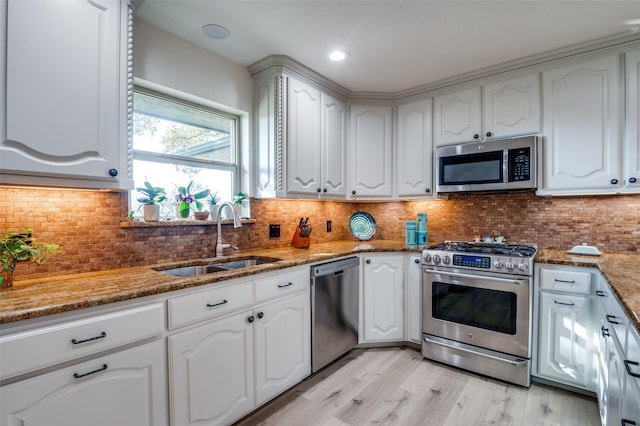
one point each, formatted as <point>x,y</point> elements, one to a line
<point>565,327</point>
<point>383,298</point>
<point>223,369</point>
<point>124,388</point>
<point>414,298</point>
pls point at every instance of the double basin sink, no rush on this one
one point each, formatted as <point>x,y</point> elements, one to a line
<point>218,265</point>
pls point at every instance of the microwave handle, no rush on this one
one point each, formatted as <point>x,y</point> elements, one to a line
<point>475,277</point>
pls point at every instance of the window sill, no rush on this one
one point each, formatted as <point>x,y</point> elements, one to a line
<point>186,222</point>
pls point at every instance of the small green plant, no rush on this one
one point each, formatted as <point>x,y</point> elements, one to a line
<point>185,198</point>
<point>237,199</point>
<point>153,194</point>
<point>21,246</point>
<point>213,198</point>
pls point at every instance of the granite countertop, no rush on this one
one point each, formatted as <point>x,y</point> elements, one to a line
<point>46,296</point>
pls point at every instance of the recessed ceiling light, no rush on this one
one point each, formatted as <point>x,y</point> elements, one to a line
<point>216,31</point>
<point>338,55</point>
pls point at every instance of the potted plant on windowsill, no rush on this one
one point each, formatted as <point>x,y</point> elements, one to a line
<point>213,200</point>
<point>21,246</point>
<point>152,196</point>
<point>185,198</point>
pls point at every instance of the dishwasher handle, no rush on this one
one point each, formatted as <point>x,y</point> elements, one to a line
<point>336,268</point>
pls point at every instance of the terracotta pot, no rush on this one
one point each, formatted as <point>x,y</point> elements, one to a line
<point>7,278</point>
<point>201,215</point>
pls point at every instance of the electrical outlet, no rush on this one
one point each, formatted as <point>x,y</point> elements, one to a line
<point>328,226</point>
<point>274,230</point>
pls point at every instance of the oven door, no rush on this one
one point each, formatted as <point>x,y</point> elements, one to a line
<point>484,310</point>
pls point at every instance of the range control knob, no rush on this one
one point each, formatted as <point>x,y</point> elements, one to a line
<point>427,258</point>
<point>509,264</point>
<point>523,266</point>
<point>446,259</point>
<point>498,264</point>
<point>436,258</point>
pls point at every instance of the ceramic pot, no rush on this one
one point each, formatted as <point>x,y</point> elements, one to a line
<point>213,212</point>
<point>201,215</point>
<point>151,212</point>
<point>184,209</point>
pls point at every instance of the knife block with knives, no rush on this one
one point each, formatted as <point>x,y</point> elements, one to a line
<point>301,235</point>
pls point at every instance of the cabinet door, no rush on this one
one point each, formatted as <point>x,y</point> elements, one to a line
<point>334,143</point>
<point>457,117</point>
<point>631,410</point>
<point>564,348</point>
<point>414,149</point>
<point>66,87</point>
<point>615,374</point>
<point>125,388</point>
<point>632,140</point>
<point>211,372</point>
<point>512,107</point>
<point>582,126</point>
<point>282,345</point>
<point>383,298</point>
<point>303,138</point>
<point>370,154</point>
<point>414,298</point>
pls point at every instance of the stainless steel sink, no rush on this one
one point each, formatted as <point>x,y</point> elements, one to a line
<point>209,267</point>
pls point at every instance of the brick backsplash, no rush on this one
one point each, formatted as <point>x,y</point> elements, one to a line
<point>86,224</point>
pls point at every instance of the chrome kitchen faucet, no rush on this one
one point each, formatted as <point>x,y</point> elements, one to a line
<point>236,224</point>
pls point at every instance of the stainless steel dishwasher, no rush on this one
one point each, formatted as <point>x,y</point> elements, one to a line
<point>334,310</point>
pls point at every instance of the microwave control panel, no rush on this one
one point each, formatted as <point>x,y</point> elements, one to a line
<point>519,164</point>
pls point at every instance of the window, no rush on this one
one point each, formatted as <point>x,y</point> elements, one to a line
<point>177,141</point>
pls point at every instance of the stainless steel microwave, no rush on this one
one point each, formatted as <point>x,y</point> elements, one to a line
<point>495,165</point>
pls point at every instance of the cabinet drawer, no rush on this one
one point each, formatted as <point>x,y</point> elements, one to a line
<point>567,281</point>
<point>282,284</point>
<point>207,304</point>
<point>46,346</point>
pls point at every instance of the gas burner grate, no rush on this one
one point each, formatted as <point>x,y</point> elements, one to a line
<point>513,250</point>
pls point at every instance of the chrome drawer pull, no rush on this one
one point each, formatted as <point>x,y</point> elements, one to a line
<point>77,376</point>
<point>629,372</point>
<point>564,281</point>
<point>213,305</point>
<point>610,320</point>
<point>285,285</point>
<point>90,339</point>
<point>564,303</point>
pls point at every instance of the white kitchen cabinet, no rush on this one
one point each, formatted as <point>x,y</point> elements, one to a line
<point>495,110</point>
<point>239,359</point>
<point>211,371</point>
<point>414,298</point>
<point>68,94</point>
<point>631,174</point>
<point>300,139</point>
<point>631,363</point>
<point>414,150</point>
<point>282,345</point>
<point>615,382</point>
<point>124,388</point>
<point>370,154</point>
<point>383,290</point>
<point>565,326</point>
<point>303,138</point>
<point>582,127</point>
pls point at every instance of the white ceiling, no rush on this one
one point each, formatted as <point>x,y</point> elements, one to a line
<point>394,44</point>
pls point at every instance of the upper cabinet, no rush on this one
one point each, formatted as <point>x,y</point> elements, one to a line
<point>582,128</point>
<point>68,84</point>
<point>301,140</point>
<point>370,152</point>
<point>495,110</point>
<point>631,173</point>
<point>414,150</point>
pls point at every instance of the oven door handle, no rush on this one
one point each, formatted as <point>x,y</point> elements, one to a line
<point>518,363</point>
<point>476,277</point>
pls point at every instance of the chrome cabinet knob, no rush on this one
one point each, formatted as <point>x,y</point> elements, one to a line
<point>509,264</point>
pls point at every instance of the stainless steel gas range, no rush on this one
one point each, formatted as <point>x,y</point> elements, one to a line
<point>477,307</point>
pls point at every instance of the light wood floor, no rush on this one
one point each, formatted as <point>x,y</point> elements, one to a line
<point>396,386</point>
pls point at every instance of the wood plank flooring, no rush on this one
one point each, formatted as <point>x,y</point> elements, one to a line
<point>396,386</point>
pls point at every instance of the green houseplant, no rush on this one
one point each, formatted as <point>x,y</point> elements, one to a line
<point>152,196</point>
<point>185,198</point>
<point>213,201</point>
<point>18,247</point>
